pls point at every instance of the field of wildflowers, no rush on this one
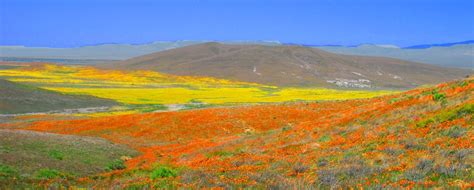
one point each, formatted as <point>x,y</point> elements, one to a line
<point>147,87</point>
<point>422,138</point>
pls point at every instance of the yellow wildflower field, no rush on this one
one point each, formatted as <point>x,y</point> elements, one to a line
<point>148,87</point>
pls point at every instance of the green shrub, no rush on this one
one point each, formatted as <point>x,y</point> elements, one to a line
<point>7,172</point>
<point>394,100</point>
<point>467,109</point>
<point>287,127</point>
<point>438,97</point>
<point>116,165</point>
<point>163,172</point>
<point>56,154</point>
<point>425,122</point>
<point>463,83</point>
<point>49,174</point>
<point>450,115</point>
<point>325,138</point>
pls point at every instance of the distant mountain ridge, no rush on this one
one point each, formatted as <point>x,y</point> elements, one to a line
<point>101,52</point>
<point>425,46</point>
<point>459,54</point>
<point>109,51</point>
<point>418,46</point>
<point>289,66</point>
<point>456,55</point>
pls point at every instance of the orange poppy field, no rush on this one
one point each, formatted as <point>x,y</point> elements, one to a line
<point>421,138</point>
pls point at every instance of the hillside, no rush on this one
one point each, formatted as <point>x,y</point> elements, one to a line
<point>36,154</point>
<point>420,138</point>
<point>16,98</point>
<point>289,66</point>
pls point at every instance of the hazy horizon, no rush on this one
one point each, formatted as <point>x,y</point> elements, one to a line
<point>468,41</point>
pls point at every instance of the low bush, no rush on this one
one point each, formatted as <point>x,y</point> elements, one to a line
<point>7,172</point>
<point>163,172</point>
<point>58,155</point>
<point>325,138</point>
<point>439,97</point>
<point>49,174</point>
<point>117,164</point>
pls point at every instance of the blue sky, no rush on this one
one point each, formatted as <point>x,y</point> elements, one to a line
<point>72,23</point>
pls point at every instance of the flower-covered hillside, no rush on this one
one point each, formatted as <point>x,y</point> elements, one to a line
<point>420,138</point>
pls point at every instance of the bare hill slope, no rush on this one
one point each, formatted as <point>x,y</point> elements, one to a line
<point>289,66</point>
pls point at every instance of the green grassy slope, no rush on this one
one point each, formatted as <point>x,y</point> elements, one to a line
<point>16,98</point>
<point>37,155</point>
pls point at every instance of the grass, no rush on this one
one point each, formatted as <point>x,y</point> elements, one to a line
<point>30,152</point>
<point>20,98</point>
<point>221,154</point>
<point>163,172</point>
<point>56,154</point>
<point>116,164</point>
<point>7,172</point>
<point>49,174</point>
<point>325,138</point>
<point>448,115</point>
<point>5,67</point>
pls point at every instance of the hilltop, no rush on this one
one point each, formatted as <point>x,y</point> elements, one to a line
<point>289,66</point>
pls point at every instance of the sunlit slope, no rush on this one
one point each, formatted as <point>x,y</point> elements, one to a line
<point>147,87</point>
<point>417,139</point>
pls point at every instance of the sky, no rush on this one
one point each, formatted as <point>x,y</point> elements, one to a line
<point>74,23</point>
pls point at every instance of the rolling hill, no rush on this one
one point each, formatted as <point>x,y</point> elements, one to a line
<point>418,139</point>
<point>16,98</point>
<point>289,66</point>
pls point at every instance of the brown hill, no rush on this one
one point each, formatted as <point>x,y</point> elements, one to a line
<point>289,66</point>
